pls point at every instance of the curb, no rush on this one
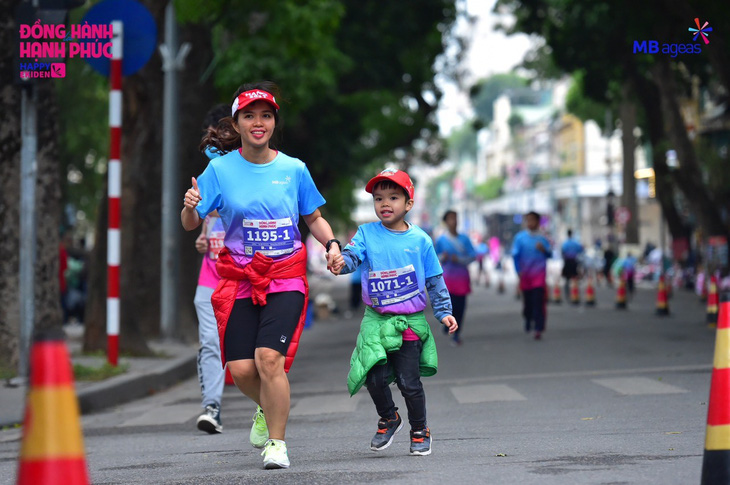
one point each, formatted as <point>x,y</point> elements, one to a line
<point>135,385</point>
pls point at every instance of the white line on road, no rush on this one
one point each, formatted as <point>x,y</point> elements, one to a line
<point>486,393</point>
<point>636,386</point>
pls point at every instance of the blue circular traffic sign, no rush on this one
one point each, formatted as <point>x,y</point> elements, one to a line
<point>140,34</point>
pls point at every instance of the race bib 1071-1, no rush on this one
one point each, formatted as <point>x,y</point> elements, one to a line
<point>270,237</point>
<point>392,286</point>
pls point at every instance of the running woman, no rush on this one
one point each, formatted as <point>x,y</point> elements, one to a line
<point>260,304</point>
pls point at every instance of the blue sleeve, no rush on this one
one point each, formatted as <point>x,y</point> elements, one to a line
<point>516,249</point>
<point>351,262</point>
<point>356,247</point>
<point>309,197</point>
<point>431,264</point>
<point>548,249</point>
<point>470,255</point>
<point>439,296</point>
<point>210,192</point>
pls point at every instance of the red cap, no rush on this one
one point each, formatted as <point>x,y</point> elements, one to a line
<point>248,97</point>
<point>398,177</point>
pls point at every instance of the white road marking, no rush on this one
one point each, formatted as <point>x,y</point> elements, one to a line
<point>486,393</point>
<point>636,386</point>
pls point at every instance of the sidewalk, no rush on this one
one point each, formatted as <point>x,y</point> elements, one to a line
<point>144,376</point>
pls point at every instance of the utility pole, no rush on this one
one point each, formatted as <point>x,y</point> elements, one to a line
<point>173,62</point>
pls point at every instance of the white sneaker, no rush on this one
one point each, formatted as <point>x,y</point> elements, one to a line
<point>275,454</point>
<point>210,420</point>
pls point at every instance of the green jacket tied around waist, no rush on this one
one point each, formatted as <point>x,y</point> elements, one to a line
<point>380,334</point>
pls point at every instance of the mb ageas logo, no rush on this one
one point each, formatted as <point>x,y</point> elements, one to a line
<point>655,47</point>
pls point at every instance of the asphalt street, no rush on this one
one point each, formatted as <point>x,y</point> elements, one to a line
<point>607,397</point>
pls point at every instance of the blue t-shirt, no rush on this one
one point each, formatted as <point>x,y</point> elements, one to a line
<point>530,263</point>
<point>571,249</point>
<point>259,204</point>
<point>395,266</point>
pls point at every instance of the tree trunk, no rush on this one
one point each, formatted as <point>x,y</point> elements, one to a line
<point>648,95</point>
<point>628,198</point>
<point>95,315</point>
<point>192,110</point>
<point>10,143</point>
<point>48,212</point>
<point>689,173</point>
<point>47,307</point>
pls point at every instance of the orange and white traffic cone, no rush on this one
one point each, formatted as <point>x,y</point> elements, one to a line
<point>662,302</point>
<point>557,295</point>
<point>712,303</point>
<point>621,293</point>
<point>52,451</point>
<point>590,293</point>
<point>574,291</point>
<point>716,460</point>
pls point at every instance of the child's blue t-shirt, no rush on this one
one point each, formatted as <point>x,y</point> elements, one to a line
<point>395,266</point>
<point>259,204</point>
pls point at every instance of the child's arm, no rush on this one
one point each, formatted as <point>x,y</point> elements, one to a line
<point>441,301</point>
<point>350,262</point>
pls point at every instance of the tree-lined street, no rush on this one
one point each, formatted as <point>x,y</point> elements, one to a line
<point>608,396</point>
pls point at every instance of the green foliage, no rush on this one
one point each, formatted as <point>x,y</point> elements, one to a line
<point>463,141</point>
<point>357,78</point>
<point>515,121</point>
<point>7,372</point>
<point>104,371</point>
<point>485,92</point>
<point>491,189</point>
<point>583,107</point>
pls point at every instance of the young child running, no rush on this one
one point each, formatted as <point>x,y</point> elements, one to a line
<point>395,342</point>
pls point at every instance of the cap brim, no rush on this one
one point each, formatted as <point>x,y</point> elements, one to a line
<point>276,106</point>
<point>371,184</point>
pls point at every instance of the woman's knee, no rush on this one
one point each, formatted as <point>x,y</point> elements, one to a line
<point>243,370</point>
<point>269,362</point>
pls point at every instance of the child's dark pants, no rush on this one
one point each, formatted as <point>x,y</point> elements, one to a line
<point>404,364</point>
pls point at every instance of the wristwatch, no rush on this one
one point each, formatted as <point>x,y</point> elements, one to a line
<point>329,243</point>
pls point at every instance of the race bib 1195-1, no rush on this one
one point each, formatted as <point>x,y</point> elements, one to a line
<point>392,286</point>
<point>270,237</point>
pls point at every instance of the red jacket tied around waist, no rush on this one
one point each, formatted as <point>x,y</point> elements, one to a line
<point>259,272</point>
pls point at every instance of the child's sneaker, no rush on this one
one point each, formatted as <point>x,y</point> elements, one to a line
<point>421,442</point>
<point>259,431</point>
<point>210,420</point>
<point>275,454</point>
<point>386,432</point>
